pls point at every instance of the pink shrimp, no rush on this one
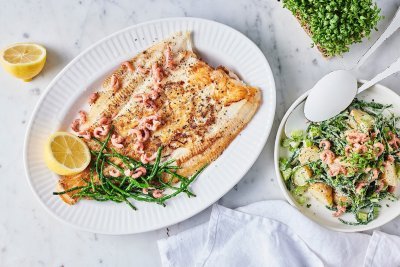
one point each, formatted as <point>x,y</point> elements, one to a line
<point>394,141</point>
<point>360,148</point>
<point>356,137</point>
<point>379,148</point>
<point>364,138</point>
<point>157,73</point>
<point>145,135</point>
<point>145,191</point>
<point>144,98</point>
<point>145,159</point>
<point>104,121</point>
<point>82,117</point>
<point>141,134</point>
<point>374,134</point>
<point>390,159</point>
<point>325,144</point>
<point>150,104</point>
<point>153,94</point>
<point>340,211</point>
<point>114,172</point>
<point>75,125</point>
<point>152,122</point>
<point>138,147</point>
<point>140,97</point>
<point>85,134</point>
<point>139,172</point>
<point>141,69</point>
<point>343,170</point>
<point>117,141</point>
<point>158,193</point>
<point>115,83</point>
<point>353,137</point>
<point>169,59</point>
<point>391,189</point>
<point>127,172</point>
<point>93,97</point>
<point>336,169</point>
<point>327,156</point>
<point>137,133</point>
<point>360,186</point>
<point>128,65</point>
<point>100,131</point>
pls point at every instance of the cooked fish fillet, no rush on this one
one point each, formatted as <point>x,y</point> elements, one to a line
<point>201,109</point>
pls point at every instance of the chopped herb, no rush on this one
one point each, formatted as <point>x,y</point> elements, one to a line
<point>123,188</point>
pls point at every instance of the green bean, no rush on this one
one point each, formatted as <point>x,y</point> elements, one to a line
<point>121,189</point>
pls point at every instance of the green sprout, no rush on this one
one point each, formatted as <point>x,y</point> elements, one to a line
<point>334,25</point>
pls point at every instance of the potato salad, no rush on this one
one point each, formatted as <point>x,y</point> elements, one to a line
<point>348,163</point>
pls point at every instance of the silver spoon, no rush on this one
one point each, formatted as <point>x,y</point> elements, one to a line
<point>335,92</point>
<point>297,121</point>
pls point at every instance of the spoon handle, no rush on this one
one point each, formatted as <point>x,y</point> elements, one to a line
<point>395,67</point>
<point>393,26</point>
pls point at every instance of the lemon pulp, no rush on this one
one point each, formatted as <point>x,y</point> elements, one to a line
<point>23,60</point>
<point>66,154</point>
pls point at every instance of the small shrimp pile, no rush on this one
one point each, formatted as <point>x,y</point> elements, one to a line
<point>329,158</point>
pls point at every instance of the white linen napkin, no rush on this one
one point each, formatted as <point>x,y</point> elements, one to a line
<point>273,233</point>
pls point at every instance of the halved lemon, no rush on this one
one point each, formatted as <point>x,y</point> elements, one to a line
<point>66,154</point>
<point>23,60</point>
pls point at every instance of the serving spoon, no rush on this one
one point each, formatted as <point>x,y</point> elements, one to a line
<point>326,92</point>
<point>335,91</point>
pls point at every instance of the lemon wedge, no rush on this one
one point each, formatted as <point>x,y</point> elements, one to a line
<point>23,60</point>
<point>66,154</point>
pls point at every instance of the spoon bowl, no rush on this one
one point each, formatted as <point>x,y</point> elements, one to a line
<point>296,120</point>
<point>330,96</point>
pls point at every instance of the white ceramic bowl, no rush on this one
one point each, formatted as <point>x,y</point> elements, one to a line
<point>318,212</point>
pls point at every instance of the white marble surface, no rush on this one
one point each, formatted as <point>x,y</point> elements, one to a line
<point>28,235</point>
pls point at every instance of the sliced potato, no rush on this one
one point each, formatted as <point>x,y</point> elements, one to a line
<point>361,120</point>
<point>302,175</point>
<point>389,176</point>
<point>322,192</point>
<point>308,154</point>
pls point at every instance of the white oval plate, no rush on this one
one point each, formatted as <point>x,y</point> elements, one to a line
<point>217,44</point>
<point>318,212</point>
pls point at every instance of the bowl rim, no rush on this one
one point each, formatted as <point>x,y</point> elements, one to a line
<point>286,193</point>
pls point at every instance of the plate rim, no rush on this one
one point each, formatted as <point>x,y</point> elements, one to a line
<point>282,186</point>
<point>268,126</point>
